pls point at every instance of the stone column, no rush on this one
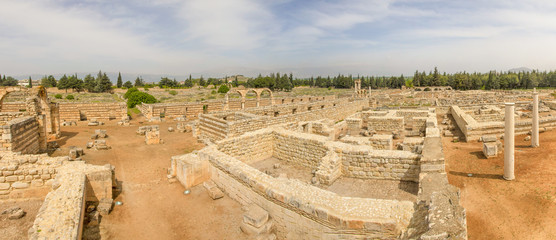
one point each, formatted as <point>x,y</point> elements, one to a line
<point>369,90</point>
<point>242,102</point>
<point>509,142</point>
<point>535,127</point>
<point>258,101</point>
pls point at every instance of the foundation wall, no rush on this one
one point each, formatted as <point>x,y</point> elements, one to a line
<point>362,162</point>
<point>13,107</point>
<point>62,214</point>
<point>298,214</point>
<point>21,135</point>
<point>473,130</point>
<point>213,127</point>
<point>87,111</point>
<point>299,150</point>
<point>26,171</point>
<point>385,123</point>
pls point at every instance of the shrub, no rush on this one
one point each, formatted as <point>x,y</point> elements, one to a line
<point>146,89</point>
<point>173,92</point>
<point>213,92</point>
<point>130,91</point>
<point>417,89</point>
<point>427,89</point>
<point>58,96</point>
<point>69,97</point>
<point>223,88</point>
<point>139,97</point>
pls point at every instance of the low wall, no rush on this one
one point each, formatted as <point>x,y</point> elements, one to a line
<point>298,213</point>
<point>87,111</point>
<point>212,128</point>
<point>191,110</point>
<point>61,215</point>
<point>364,162</point>
<point>26,171</point>
<point>473,130</point>
<point>385,123</point>
<point>21,135</point>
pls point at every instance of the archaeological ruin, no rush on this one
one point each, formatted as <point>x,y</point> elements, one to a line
<point>365,166</point>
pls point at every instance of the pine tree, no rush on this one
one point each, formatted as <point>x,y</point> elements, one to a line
<point>30,85</point>
<point>119,83</point>
<point>63,83</point>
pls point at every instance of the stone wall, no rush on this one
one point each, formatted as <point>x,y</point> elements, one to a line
<point>61,215</point>
<point>24,171</point>
<point>364,162</point>
<point>385,123</point>
<point>21,135</point>
<point>473,130</point>
<point>215,127</point>
<point>250,148</point>
<point>191,110</point>
<point>87,111</point>
<point>299,149</point>
<point>298,213</point>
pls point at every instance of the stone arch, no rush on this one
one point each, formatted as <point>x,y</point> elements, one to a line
<point>241,92</point>
<point>260,92</point>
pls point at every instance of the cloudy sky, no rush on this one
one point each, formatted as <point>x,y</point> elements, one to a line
<point>306,37</point>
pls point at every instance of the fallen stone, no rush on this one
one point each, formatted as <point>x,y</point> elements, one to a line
<point>213,191</point>
<point>256,231</point>
<point>170,129</point>
<point>528,138</point>
<point>105,205</point>
<point>255,216</point>
<point>490,149</point>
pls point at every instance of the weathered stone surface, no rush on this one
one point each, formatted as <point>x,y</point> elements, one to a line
<point>4,186</point>
<point>255,216</point>
<point>20,185</point>
<point>490,149</point>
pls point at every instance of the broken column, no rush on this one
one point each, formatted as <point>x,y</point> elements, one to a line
<point>509,142</point>
<point>535,130</point>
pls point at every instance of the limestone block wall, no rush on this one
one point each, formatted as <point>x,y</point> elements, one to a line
<point>5,117</point>
<point>62,213</point>
<point>21,135</point>
<point>192,109</point>
<point>297,212</point>
<point>24,171</point>
<point>299,149</point>
<point>364,162</point>
<point>473,130</point>
<point>87,111</point>
<point>385,123</point>
<point>13,107</point>
<point>550,104</point>
<point>213,129</point>
<point>250,148</point>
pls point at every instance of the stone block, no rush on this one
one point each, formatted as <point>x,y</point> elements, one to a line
<point>256,231</point>
<point>11,178</point>
<point>213,191</point>
<point>20,185</point>
<point>255,216</point>
<point>490,149</point>
<point>489,138</point>
<point>4,186</point>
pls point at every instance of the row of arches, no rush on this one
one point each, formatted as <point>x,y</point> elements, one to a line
<point>243,93</point>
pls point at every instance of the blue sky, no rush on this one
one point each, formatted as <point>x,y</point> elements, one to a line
<point>225,37</point>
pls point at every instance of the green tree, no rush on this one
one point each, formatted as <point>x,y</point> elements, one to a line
<point>223,88</point>
<point>139,82</point>
<point>103,83</point>
<point>128,85</point>
<point>89,83</point>
<point>202,82</point>
<point>75,83</point>
<point>30,85</point>
<point>63,83</point>
<point>119,82</point>
<point>52,81</point>
<point>139,97</point>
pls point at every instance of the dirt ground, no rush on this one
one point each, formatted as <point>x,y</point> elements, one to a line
<point>17,229</point>
<point>343,186</point>
<point>152,207</point>
<point>498,209</point>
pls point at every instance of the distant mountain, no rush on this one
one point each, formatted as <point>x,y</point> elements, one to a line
<point>520,69</point>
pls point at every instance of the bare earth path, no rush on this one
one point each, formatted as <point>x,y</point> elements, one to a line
<point>497,209</point>
<point>153,208</point>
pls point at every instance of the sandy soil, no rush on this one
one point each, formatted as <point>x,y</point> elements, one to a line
<point>152,207</point>
<point>343,186</point>
<point>498,209</point>
<point>17,228</point>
